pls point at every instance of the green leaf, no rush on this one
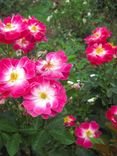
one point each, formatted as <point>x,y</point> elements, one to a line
<point>40,139</point>
<point>84,152</point>
<point>58,131</point>
<point>12,143</point>
<point>96,140</point>
<point>7,125</point>
<point>71,58</point>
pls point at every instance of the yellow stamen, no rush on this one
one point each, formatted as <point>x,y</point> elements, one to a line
<point>99,51</point>
<point>89,133</point>
<point>9,26</point>
<point>43,95</point>
<point>66,119</point>
<point>34,28</point>
<point>13,76</point>
<point>49,65</point>
<point>96,34</point>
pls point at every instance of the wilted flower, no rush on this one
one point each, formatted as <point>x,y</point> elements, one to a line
<point>55,66</point>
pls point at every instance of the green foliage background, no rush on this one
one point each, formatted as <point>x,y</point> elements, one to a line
<point>68,23</point>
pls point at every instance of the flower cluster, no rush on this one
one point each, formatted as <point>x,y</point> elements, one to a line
<point>22,33</point>
<point>84,132</point>
<point>99,51</point>
<point>36,81</point>
<point>111,115</point>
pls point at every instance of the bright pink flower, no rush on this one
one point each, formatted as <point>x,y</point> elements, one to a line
<point>14,76</point>
<point>99,35</point>
<point>113,47</point>
<point>12,28</point>
<point>69,121</point>
<point>25,44</point>
<point>99,53</point>
<point>36,29</point>
<point>55,66</point>
<point>85,131</point>
<point>46,98</point>
<point>111,114</point>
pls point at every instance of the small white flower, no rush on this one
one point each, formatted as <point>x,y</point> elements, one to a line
<point>55,11</point>
<point>67,1</point>
<point>54,5</point>
<point>84,20</point>
<point>89,14</point>
<point>85,2</point>
<point>92,75</point>
<point>91,100</point>
<point>49,18</point>
<point>78,80</point>
<point>70,82</point>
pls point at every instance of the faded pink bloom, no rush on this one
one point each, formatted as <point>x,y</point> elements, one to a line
<point>85,131</point>
<point>99,35</point>
<point>69,121</point>
<point>2,101</point>
<point>98,54</point>
<point>45,98</point>
<point>55,66</point>
<point>26,44</point>
<point>14,76</point>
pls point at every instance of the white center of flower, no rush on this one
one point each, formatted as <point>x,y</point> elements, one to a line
<point>15,76</point>
<point>52,65</point>
<point>22,42</point>
<point>99,51</point>
<point>89,133</point>
<point>43,95</point>
<point>96,35</point>
<point>9,27</point>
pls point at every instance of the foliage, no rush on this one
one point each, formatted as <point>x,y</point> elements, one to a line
<point>67,26</point>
